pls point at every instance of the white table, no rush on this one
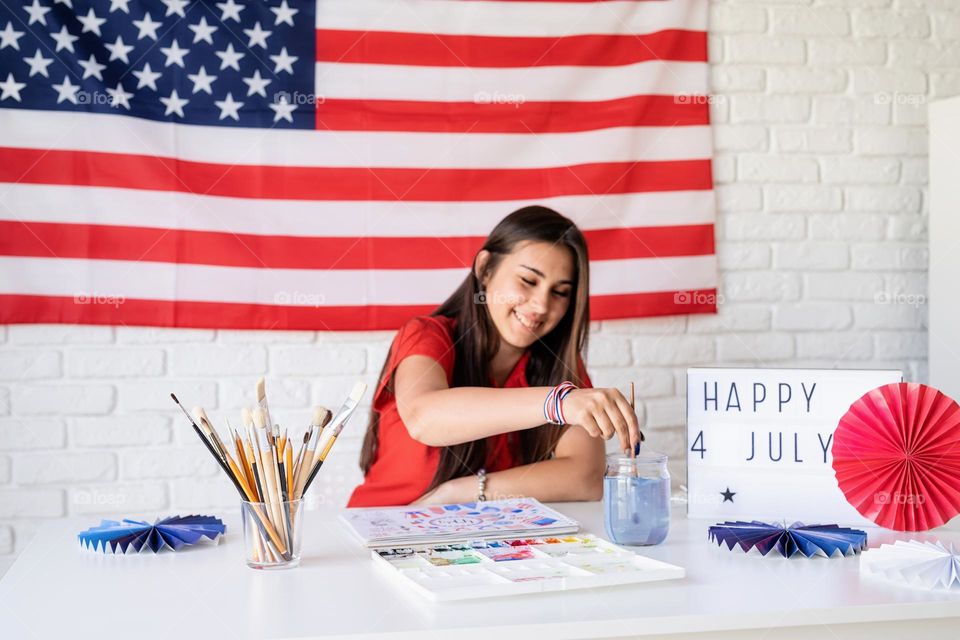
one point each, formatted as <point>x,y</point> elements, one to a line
<point>57,590</point>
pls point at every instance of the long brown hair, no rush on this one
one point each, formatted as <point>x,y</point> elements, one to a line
<point>553,358</point>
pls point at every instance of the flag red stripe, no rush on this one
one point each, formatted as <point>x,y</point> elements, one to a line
<point>107,242</point>
<point>529,117</point>
<point>443,50</point>
<point>661,303</point>
<point>89,168</point>
<point>16,309</point>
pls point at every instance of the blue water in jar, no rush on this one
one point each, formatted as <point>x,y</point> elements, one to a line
<point>636,510</point>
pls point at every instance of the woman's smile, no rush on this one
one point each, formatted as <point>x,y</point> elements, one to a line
<point>528,322</point>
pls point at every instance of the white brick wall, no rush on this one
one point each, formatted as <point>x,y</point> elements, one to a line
<point>820,113</point>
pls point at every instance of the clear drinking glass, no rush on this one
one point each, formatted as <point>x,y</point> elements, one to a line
<point>636,498</point>
<point>271,533</point>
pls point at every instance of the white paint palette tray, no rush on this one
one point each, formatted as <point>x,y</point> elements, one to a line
<point>489,568</point>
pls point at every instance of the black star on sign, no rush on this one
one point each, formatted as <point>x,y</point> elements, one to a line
<point>728,495</point>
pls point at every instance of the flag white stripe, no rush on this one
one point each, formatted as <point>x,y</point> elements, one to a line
<point>302,287</point>
<point>277,147</point>
<point>511,86</point>
<point>175,210</point>
<point>552,19</point>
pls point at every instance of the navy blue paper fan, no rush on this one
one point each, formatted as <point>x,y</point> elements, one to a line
<point>827,540</point>
<point>134,536</point>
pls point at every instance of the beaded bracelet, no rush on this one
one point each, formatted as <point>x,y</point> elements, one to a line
<point>553,403</point>
<point>482,485</point>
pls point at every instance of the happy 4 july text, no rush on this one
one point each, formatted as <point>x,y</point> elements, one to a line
<point>779,446</point>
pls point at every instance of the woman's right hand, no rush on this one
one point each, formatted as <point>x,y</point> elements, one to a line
<point>603,413</point>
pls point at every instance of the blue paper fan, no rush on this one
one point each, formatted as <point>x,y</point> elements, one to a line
<point>809,540</point>
<point>135,535</point>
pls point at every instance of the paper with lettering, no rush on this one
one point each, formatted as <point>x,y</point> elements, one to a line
<point>423,524</point>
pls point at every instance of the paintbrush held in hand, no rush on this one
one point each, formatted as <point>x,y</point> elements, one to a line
<point>261,463</point>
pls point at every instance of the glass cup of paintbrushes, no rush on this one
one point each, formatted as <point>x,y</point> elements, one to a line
<point>269,477</point>
<point>271,519</point>
<point>277,547</point>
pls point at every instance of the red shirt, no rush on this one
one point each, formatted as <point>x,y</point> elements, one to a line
<point>403,467</point>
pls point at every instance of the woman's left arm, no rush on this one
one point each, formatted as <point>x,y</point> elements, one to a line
<point>574,473</point>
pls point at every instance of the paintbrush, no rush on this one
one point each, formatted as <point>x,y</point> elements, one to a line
<point>266,500</point>
<point>321,417</point>
<point>254,469</point>
<point>288,479</point>
<point>253,453</point>
<point>282,469</point>
<point>267,460</point>
<point>234,438</point>
<point>299,460</point>
<point>242,462</point>
<point>273,434</point>
<point>271,470</point>
<point>338,422</point>
<point>207,443</point>
<point>635,449</point>
<point>260,475</point>
<point>260,460</point>
<point>643,438</point>
<point>235,472</point>
<point>210,432</point>
<point>221,456</point>
<point>262,402</point>
<point>288,466</point>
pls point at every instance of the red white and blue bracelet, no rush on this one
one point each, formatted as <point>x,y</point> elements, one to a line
<point>553,403</point>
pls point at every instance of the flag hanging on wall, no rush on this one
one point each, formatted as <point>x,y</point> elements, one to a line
<point>336,164</point>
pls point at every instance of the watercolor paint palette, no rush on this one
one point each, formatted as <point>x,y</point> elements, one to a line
<point>489,568</point>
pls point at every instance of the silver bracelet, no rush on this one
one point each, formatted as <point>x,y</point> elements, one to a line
<point>481,485</point>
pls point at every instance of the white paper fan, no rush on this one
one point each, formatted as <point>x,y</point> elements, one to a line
<point>930,565</point>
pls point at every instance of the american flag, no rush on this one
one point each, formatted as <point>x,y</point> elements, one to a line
<point>336,164</point>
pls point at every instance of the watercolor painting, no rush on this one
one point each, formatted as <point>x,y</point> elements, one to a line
<point>406,525</point>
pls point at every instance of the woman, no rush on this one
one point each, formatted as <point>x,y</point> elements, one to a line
<point>470,403</point>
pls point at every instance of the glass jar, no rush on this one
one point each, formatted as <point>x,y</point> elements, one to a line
<point>636,498</point>
<point>272,533</point>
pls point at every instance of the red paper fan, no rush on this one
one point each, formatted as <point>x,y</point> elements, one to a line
<point>896,455</point>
